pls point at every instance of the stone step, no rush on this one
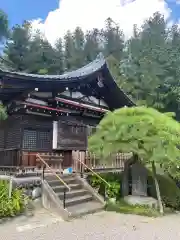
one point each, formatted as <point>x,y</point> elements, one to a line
<point>62,176</point>
<point>85,208</point>
<point>58,182</point>
<point>72,194</point>
<point>78,200</point>
<point>60,188</point>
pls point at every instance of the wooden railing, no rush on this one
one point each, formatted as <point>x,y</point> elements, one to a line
<point>19,171</point>
<point>82,171</point>
<point>57,176</point>
<point>54,160</point>
<point>112,163</point>
<point>12,161</point>
<point>52,171</point>
<point>84,167</point>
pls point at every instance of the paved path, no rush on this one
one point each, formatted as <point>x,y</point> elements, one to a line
<point>100,226</point>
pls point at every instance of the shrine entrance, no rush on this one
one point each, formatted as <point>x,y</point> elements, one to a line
<point>67,159</point>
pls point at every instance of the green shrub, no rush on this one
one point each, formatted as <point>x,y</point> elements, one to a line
<point>114,190</point>
<point>170,193</point>
<point>113,179</point>
<point>12,206</point>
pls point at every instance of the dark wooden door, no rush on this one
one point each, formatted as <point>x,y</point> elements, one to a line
<point>67,159</point>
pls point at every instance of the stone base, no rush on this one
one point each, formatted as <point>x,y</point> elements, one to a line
<point>141,200</point>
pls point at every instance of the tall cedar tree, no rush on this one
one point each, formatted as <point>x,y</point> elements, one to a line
<point>79,42</point>
<point>59,57</point>
<point>17,47</point>
<point>147,66</point>
<point>3,25</point>
<point>114,40</point>
<point>69,51</point>
<point>4,31</point>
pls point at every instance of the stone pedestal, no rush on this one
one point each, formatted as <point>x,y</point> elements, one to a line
<point>139,180</point>
<point>140,200</point>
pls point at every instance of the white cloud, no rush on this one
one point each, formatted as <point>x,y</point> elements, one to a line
<point>88,14</point>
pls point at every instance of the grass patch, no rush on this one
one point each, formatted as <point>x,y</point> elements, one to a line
<point>123,207</point>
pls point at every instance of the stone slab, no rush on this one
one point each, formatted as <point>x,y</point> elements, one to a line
<point>141,200</point>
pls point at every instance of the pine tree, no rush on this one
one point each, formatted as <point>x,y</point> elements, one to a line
<point>150,135</point>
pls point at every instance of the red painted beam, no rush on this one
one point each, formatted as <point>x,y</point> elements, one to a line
<point>47,108</point>
<point>82,105</point>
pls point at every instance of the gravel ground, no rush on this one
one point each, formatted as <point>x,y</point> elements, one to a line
<point>100,226</point>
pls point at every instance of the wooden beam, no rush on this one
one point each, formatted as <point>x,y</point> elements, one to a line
<point>82,105</point>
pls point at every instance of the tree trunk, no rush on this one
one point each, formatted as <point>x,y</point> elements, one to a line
<point>161,209</point>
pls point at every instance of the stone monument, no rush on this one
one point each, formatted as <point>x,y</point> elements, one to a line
<point>139,176</point>
<point>134,184</point>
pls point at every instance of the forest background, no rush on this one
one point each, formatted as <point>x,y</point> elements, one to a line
<point>146,66</point>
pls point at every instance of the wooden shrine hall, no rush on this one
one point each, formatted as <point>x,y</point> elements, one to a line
<point>53,115</point>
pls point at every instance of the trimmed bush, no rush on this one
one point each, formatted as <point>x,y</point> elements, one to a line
<point>12,206</point>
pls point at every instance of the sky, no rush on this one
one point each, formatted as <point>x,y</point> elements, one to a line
<point>55,17</point>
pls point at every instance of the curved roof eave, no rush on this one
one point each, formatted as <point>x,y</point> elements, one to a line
<point>75,75</point>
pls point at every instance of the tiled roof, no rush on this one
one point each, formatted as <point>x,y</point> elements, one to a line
<point>113,95</point>
<point>82,72</point>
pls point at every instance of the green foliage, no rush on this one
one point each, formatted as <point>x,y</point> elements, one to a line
<point>18,49</point>
<point>170,193</point>
<point>3,25</point>
<point>58,66</point>
<point>43,71</point>
<point>114,190</point>
<point>113,179</point>
<point>123,207</point>
<point>152,65</point>
<point>10,207</point>
<point>114,40</point>
<point>92,45</point>
<point>145,132</point>
<point>147,66</point>
<point>95,181</point>
<point>3,114</point>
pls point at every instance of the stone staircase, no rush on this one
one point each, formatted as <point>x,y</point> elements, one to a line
<point>80,200</point>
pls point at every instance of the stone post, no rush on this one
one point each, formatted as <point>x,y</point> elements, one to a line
<point>139,179</point>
